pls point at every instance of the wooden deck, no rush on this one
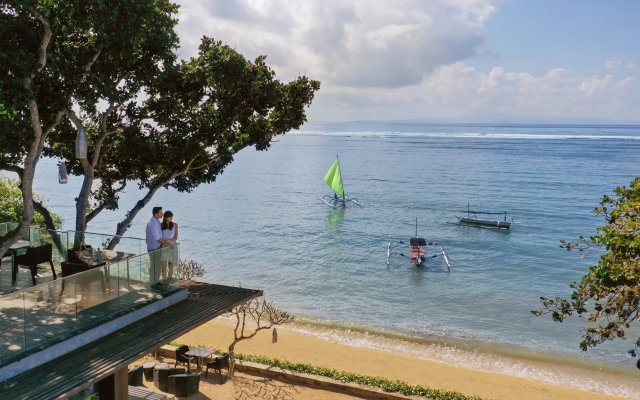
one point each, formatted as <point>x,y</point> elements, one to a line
<point>75,371</point>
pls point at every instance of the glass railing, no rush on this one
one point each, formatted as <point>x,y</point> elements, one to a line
<point>5,227</point>
<point>42,315</point>
<point>99,242</point>
<point>87,242</point>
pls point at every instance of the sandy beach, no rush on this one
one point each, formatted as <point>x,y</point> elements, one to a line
<point>316,346</point>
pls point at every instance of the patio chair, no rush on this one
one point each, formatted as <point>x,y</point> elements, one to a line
<point>181,357</point>
<point>33,257</point>
<point>217,364</point>
<point>74,253</point>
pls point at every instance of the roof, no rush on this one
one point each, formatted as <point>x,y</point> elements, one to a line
<point>76,370</point>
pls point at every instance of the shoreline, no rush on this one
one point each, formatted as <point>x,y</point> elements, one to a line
<point>440,367</point>
<point>474,346</point>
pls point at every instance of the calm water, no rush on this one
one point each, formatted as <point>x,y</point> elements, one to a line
<point>262,225</point>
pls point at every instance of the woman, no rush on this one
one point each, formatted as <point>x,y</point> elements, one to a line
<point>169,256</point>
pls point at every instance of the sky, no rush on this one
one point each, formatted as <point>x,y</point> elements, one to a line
<point>544,61</point>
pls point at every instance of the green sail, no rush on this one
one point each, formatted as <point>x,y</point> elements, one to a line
<point>334,179</point>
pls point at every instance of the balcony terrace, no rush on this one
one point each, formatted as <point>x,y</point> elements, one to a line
<point>121,306</point>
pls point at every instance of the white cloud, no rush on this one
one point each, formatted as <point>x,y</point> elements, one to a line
<point>616,63</point>
<point>349,43</point>
<point>460,90</point>
<point>613,64</point>
<point>402,59</point>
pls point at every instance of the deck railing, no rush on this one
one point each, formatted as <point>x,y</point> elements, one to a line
<point>40,316</point>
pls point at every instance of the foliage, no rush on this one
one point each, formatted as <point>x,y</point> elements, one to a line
<point>11,206</point>
<point>613,285</point>
<point>259,312</point>
<point>197,115</point>
<point>385,384</point>
<point>190,269</point>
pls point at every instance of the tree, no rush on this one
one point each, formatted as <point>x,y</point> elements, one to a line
<point>189,269</point>
<point>11,207</point>
<point>58,56</point>
<point>608,296</point>
<point>259,312</point>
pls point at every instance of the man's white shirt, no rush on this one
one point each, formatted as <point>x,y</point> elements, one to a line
<point>153,234</point>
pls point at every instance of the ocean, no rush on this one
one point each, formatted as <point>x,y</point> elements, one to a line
<point>262,225</point>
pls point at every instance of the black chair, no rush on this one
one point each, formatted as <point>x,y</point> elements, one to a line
<point>73,254</point>
<point>217,364</point>
<point>71,268</point>
<point>181,357</point>
<point>184,385</point>
<point>33,257</point>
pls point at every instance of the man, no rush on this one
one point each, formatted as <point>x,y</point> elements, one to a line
<point>154,240</point>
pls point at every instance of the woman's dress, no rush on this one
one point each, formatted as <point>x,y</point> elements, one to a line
<point>169,254</point>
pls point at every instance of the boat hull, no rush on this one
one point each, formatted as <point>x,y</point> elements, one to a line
<point>485,223</point>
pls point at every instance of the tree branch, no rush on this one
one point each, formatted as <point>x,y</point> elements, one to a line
<point>93,213</point>
<point>104,133</point>
<point>44,44</point>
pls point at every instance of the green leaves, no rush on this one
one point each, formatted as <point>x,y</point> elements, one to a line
<point>11,205</point>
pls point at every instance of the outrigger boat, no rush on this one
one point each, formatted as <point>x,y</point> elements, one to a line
<point>416,250</point>
<point>333,178</point>
<point>472,219</point>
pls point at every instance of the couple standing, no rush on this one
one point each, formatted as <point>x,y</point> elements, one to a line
<point>161,244</point>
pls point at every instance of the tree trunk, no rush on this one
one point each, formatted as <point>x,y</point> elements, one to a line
<point>232,359</point>
<point>51,228</point>
<point>82,203</point>
<point>26,185</point>
<point>126,222</point>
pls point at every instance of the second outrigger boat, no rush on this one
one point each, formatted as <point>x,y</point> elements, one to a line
<point>333,178</point>
<point>472,219</point>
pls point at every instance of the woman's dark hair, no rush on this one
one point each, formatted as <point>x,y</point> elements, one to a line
<point>165,224</point>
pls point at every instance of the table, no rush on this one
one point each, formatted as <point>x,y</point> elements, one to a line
<point>102,257</point>
<point>200,352</point>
